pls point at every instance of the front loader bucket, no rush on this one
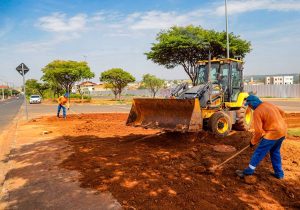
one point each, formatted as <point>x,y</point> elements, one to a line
<point>182,115</point>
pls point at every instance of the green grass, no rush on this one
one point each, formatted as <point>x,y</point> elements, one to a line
<point>294,131</point>
<point>111,101</point>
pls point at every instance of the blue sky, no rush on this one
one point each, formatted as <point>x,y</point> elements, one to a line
<point>117,33</point>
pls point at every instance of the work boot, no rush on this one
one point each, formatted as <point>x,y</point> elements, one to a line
<point>248,171</point>
<point>240,173</point>
<point>278,176</point>
<point>57,115</point>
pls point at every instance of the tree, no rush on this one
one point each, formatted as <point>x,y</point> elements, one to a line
<point>6,92</point>
<point>152,83</point>
<point>80,91</point>
<point>55,88</point>
<point>42,88</point>
<point>63,74</point>
<point>35,87</point>
<point>31,87</point>
<point>116,79</point>
<point>185,46</point>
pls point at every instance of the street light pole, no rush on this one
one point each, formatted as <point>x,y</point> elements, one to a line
<point>11,90</point>
<point>227,37</point>
<point>2,93</point>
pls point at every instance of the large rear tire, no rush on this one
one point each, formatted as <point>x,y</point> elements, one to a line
<point>220,124</point>
<point>244,119</point>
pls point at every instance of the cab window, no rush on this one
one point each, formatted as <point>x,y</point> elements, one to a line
<point>201,79</point>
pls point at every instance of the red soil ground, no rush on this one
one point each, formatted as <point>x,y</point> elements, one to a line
<point>170,171</point>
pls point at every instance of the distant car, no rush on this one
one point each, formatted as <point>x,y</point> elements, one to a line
<point>35,99</point>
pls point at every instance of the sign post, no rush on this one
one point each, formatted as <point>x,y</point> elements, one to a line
<point>23,69</point>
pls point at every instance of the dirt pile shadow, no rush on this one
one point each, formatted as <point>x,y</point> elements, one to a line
<point>170,172</point>
<point>35,181</point>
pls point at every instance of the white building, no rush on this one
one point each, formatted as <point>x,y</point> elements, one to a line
<point>288,80</point>
<point>277,80</point>
<point>87,86</point>
<point>268,80</point>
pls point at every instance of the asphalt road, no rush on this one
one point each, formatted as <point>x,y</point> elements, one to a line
<point>8,110</point>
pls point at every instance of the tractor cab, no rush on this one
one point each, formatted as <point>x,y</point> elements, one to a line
<point>225,75</point>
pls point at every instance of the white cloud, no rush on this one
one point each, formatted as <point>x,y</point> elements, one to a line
<point>162,20</point>
<point>58,22</point>
<point>241,6</point>
<point>99,16</point>
<point>41,46</point>
<point>62,29</point>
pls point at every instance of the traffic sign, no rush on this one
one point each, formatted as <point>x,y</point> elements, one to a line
<point>22,67</point>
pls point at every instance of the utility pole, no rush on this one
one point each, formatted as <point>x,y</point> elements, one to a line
<point>11,90</point>
<point>9,86</point>
<point>69,94</point>
<point>2,93</point>
<point>227,37</point>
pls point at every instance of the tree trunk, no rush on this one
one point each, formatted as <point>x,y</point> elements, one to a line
<point>194,81</point>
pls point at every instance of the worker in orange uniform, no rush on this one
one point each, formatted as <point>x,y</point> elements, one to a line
<point>270,131</point>
<point>63,104</point>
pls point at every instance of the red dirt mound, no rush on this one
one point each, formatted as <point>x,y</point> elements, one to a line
<point>170,171</point>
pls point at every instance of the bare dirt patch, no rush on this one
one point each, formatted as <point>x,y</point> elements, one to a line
<point>170,171</point>
<point>293,120</point>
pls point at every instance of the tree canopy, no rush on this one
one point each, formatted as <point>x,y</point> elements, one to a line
<point>184,46</point>
<point>116,79</point>
<point>63,74</point>
<point>35,87</point>
<point>152,83</point>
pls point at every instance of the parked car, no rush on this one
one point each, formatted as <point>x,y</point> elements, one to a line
<point>35,99</point>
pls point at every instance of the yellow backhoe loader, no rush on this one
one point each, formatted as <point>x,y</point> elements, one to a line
<point>216,103</point>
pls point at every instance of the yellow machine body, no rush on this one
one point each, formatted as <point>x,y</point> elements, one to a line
<point>191,113</point>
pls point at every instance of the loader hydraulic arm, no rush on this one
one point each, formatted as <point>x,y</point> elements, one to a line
<point>202,90</point>
<point>182,87</point>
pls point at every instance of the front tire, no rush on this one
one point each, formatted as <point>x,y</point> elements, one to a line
<point>220,124</point>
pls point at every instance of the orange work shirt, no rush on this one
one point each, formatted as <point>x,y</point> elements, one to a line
<point>62,100</point>
<point>269,123</point>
